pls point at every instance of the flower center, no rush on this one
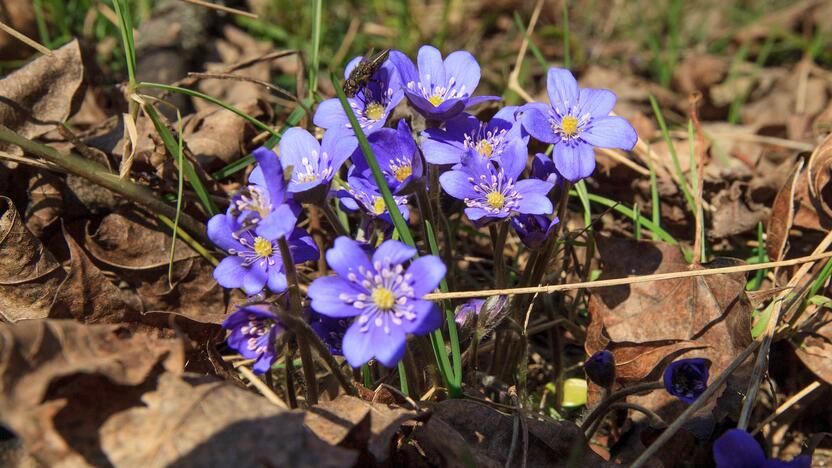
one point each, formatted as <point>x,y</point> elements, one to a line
<point>436,100</point>
<point>378,205</point>
<point>402,173</point>
<point>569,125</point>
<point>686,381</point>
<point>262,247</point>
<point>484,148</point>
<point>374,111</point>
<point>496,200</point>
<point>383,298</point>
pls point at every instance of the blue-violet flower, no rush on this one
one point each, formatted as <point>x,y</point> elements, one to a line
<point>384,297</point>
<point>738,449</point>
<point>499,138</point>
<point>576,121</point>
<point>600,368</point>
<point>686,379</point>
<point>254,330</point>
<point>314,164</point>
<point>362,193</point>
<point>397,156</point>
<point>330,330</point>
<point>533,230</point>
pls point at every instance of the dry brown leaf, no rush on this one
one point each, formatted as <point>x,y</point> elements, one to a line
<point>818,172</point>
<point>734,212</point>
<point>466,433</point>
<point>219,135</point>
<point>699,72</point>
<point>21,17</point>
<point>778,20</point>
<point>29,274</point>
<point>815,348</point>
<point>782,216</point>
<point>353,423</point>
<point>45,201</point>
<point>41,94</point>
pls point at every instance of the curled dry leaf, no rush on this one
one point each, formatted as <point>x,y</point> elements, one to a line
<point>466,433</point>
<point>45,201</point>
<point>41,94</point>
<point>29,274</point>
<point>353,423</point>
<point>814,347</point>
<point>219,135</point>
<point>819,174</point>
<point>782,216</point>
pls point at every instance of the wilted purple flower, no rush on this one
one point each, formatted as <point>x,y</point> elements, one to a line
<point>543,168</point>
<point>362,193</point>
<point>314,164</point>
<point>497,139</point>
<point>533,230</point>
<point>397,156</point>
<point>383,296</point>
<point>254,330</point>
<point>600,368</point>
<point>494,194</point>
<point>686,379</point>
<point>466,312</point>
<point>576,121</point>
<point>440,89</point>
<point>371,105</point>
<point>264,203</point>
<point>330,330</point>
<point>738,449</point>
<point>254,261</point>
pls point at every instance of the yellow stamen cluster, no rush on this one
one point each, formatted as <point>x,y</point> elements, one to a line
<point>496,200</point>
<point>569,125</point>
<point>403,173</point>
<point>383,298</point>
<point>378,205</point>
<point>436,100</point>
<point>484,148</point>
<point>262,247</point>
<point>374,111</point>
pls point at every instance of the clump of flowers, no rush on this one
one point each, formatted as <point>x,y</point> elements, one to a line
<point>382,295</point>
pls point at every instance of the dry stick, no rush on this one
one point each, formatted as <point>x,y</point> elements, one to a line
<point>695,406</point>
<point>513,78</point>
<point>787,404</point>
<point>221,8</point>
<point>768,337</point>
<point>307,363</point>
<point>623,281</point>
<point>264,389</point>
<point>22,38</point>
<point>700,170</point>
<point>98,174</point>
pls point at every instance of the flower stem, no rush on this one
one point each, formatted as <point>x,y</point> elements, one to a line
<point>332,218</point>
<point>601,409</point>
<point>498,239</point>
<point>294,303</point>
<point>403,379</point>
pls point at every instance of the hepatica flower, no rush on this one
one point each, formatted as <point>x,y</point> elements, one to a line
<point>498,138</point>
<point>600,368</point>
<point>372,104</point>
<point>543,168</point>
<point>738,449</point>
<point>330,330</point>
<point>532,229</point>
<point>254,330</point>
<point>397,156</point>
<point>254,261</point>
<point>264,204</point>
<point>382,294</point>
<point>493,193</point>
<point>686,379</point>
<point>576,121</point>
<point>440,89</point>
<point>363,194</point>
<point>314,164</point>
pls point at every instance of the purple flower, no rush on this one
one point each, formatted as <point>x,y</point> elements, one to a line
<point>686,379</point>
<point>600,368</point>
<point>371,105</point>
<point>384,297</point>
<point>488,312</point>
<point>576,121</point>
<point>330,330</point>
<point>254,330</point>
<point>738,449</point>
<point>543,168</point>
<point>466,312</point>
<point>254,261</point>
<point>314,164</point>
<point>494,194</point>
<point>397,155</point>
<point>440,89</point>
<point>533,230</point>
<point>498,139</point>
<point>264,203</point>
<point>362,193</point>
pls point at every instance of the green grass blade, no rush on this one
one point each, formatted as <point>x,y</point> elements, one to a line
<point>657,230</point>
<point>678,168</point>
<point>179,189</point>
<point>314,61</point>
<point>40,20</point>
<point>125,26</point>
<point>532,46</point>
<point>566,39</point>
<point>190,172</point>
<point>637,222</point>
<point>583,196</point>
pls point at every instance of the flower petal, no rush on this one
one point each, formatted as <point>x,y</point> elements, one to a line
<point>296,145</point>
<point>475,100</point>
<point>360,346</point>
<point>254,279</point>
<point>339,145</point>
<point>425,274</point>
<point>302,246</point>
<point>562,89</point>
<point>738,449</point>
<point>431,67</point>
<point>405,67</point>
<point>456,184</point>
<point>325,294</point>
<point>347,257</point>
<point>428,318</point>
<point>219,231</point>
<point>278,223</point>
<point>610,132</point>
<point>535,199</point>
<point>230,272</point>
<point>272,173</point>
<point>390,346</point>
<point>597,102</point>
<point>538,126</point>
<point>394,252</point>
<point>441,152</point>
<point>277,281</point>
<point>330,114</point>
<point>574,161</point>
<point>463,69</point>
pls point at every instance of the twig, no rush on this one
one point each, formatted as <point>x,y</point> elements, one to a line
<point>786,405</point>
<point>695,406</point>
<point>623,281</point>
<point>98,174</point>
<point>224,8</point>
<point>513,78</point>
<point>26,40</point>
<point>264,389</point>
<point>616,155</point>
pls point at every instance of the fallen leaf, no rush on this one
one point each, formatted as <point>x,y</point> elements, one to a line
<point>29,274</point>
<point>818,172</point>
<point>41,94</point>
<point>814,348</point>
<point>782,216</point>
<point>219,136</point>
<point>46,204</point>
<point>699,72</point>
<point>734,212</point>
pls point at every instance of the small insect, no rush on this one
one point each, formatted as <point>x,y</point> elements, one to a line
<point>362,72</point>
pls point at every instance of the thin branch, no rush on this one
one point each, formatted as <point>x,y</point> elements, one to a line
<point>787,404</point>
<point>262,387</point>
<point>224,8</point>
<point>24,39</point>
